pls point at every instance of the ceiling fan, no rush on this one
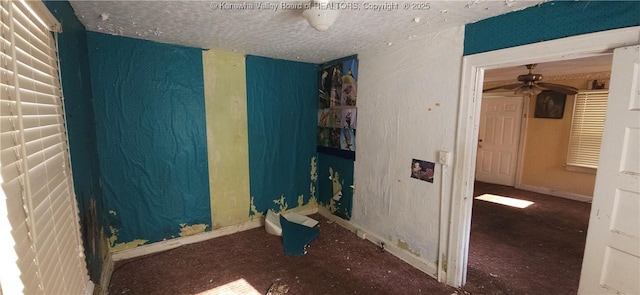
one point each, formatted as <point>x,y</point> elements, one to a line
<point>531,85</point>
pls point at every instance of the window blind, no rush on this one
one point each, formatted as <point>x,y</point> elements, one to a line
<point>586,128</point>
<point>34,159</point>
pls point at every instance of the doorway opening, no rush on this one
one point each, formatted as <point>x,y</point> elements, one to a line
<point>473,73</point>
<point>509,246</point>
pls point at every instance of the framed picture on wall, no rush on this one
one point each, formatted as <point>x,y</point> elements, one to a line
<point>598,84</point>
<point>337,107</point>
<point>550,105</point>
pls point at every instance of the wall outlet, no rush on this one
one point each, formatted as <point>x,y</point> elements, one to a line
<point>444,158</point>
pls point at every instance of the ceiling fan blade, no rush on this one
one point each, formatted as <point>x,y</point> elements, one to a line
<point>507,87</point>
<point>564,89</point>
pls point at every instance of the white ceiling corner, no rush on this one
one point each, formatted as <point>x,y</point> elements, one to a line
<point>266,29</point>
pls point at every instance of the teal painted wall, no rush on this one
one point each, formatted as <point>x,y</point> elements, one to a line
<point>548,21</point>
<point>150,115</point>
<point>76,82</point>
<point>282,119</point>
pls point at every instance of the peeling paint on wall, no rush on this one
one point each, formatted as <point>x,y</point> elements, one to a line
<point>313,202</point>
<point>282,202</point>
<point>314,169</point>
<point>332,193</point>
<point>122,246</point>
<point>253,211</point>
<point>189,230</point>
<point>334,176</point>
<point>128,245</point>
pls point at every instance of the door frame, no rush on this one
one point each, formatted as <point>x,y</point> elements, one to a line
<point>473,67</point>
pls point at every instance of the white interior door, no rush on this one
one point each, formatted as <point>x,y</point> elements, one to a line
<point>611,262</point>
<point>498,138</point>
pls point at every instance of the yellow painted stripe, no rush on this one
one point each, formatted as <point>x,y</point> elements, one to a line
<point>227,136</point>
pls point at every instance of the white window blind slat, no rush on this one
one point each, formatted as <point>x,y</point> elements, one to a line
<point>24,244</point>
<point>47,265</point>
<point>6,92</point>
<point>25,26</point>
<point>31,53</point>
<point>7,78</point>
<point>34,154</point>
<point>12,171</point>
<point>32,283</point>
<point>28,96</point>
<point>586,129</point>
<point>34,73</point>
<point>17,215</point>
<point>38,86</point>
<point>41,195</point>
<point>10,152</point>
<point>7,123</point>
<point>42,63</point>
<point>9,108</point>
<point>37,111</point>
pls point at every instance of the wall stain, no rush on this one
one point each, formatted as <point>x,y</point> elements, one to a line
<point>405,246</point>
<point>189,230</point>
<point>114,236</point>
<point>89,226</point>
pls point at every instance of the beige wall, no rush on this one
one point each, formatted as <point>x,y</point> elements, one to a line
<point>407,105</point>
<point>545,152</point>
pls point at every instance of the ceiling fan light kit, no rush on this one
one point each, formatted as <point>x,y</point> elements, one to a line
<point>320,16</point>
<point>531,85</point>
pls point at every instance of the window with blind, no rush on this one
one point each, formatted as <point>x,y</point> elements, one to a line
<point>37,199</point>
<point>589,112</point>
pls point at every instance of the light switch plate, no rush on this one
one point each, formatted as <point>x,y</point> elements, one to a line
<point>444,158</point>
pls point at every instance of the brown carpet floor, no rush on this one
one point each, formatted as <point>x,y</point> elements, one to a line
<point>537,250</point>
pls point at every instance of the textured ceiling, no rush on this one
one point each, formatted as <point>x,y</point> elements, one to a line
<point>249,27</point>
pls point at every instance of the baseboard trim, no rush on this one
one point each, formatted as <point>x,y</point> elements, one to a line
<point>105,276</point>
<point>177,242</point>
<point>555,193</point>
<point>430,269</point>
<point>89,287</point>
